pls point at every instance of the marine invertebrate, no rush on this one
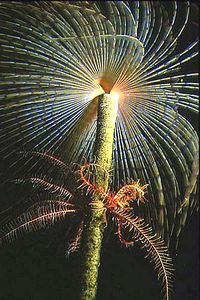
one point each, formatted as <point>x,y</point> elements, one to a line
<point>57,59</point>
<point>45,213</point>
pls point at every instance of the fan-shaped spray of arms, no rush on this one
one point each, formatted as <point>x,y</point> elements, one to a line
<point>57,57</point>
<point>45,213</point>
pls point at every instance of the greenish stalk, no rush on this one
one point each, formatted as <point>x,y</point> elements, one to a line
<point>94,227</point>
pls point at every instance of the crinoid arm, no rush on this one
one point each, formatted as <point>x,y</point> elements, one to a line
<point>88,179</point>
<point>129,192</point>
<point>123,241</point>
<point>46,185</point>
<point>151,243</point>
<point>74,244</point>
<point>55,161</point>
<point>40,215</point>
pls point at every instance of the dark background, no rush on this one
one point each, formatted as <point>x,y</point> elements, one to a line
<point>35,267</point>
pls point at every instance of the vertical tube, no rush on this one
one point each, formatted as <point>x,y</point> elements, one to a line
<point>93,231</point>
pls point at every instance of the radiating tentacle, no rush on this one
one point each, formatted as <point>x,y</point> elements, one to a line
<point>56,58</point>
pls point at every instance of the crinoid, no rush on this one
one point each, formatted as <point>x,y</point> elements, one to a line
<point>46,212</point>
